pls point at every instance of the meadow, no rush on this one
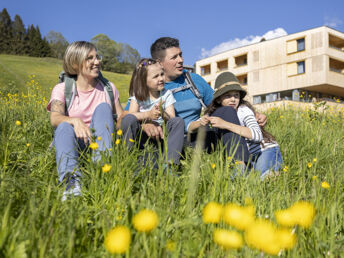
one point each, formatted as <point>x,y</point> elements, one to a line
<point>35,223</point>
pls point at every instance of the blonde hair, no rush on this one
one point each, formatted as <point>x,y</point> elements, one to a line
<point>75,55</point>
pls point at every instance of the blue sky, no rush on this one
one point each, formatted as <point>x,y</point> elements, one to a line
<point>203,26</point>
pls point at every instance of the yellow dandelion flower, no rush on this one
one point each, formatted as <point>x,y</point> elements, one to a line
<point>110,149</point>
<point>285,218</point>
<point>315,160</point>
<point>286,238</point>
<point>314,177</point>
<point>93,146</point>
<point>281,116</point>
<point>229,158</point>
<point>285,169</point>
<point>309,164</point>
<point>212,212</point>
<point>325,185</point>
<point>18,123</point>
<point>171,245</point>
<point>99,138</point>
<point>106,168</point>
<point>262,236</point>
<point>228,239</point>
<point>301,213</point>
<point>119,132</point>
<point>237,216</point>
<point>145,221</point>
<point>213,165</point>
<point>118,141</point>
<point>28,145</point>
<point>304,213</point>
<point>118,240</point>
<point>131,140</point>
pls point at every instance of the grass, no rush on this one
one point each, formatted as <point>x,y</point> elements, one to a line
<point>34,221</point>
<point>15,70</point>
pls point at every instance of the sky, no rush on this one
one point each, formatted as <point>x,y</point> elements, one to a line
<point>204,27</point>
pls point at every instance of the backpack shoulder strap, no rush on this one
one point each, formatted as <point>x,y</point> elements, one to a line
<point>70,89</point>
<point>107,88</point>
<point>193,88</point>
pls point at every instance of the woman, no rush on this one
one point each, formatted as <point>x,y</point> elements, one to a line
<point>90,108</point>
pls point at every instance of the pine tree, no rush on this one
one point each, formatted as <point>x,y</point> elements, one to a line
<point>19,33</point>
<point>6,33</point>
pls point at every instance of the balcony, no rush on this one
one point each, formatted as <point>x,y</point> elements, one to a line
<point>240,60</point>
<point>336,42</point>
<point>222,65</point>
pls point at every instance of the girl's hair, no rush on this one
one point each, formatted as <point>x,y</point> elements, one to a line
<point>267,137</point>
<point>75,55</point>
<point>138,83</point>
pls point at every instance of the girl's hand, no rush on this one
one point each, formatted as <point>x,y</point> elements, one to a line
<point>217,122</point>
<point>204,120</point>
<point>154,113</point>
<point>81,130</point>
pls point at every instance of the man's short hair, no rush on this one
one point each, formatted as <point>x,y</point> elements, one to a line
<point>160,45</point>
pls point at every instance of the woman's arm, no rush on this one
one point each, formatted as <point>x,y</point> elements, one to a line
<point>57,116</point>
<point>154,113</point>
<point>118,108</point>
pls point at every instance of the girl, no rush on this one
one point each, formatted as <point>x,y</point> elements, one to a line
<point>264,150</point>
<point>91,108</point>
<point>150,103</point>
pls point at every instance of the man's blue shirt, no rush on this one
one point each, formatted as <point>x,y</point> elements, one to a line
<point>187,106</point>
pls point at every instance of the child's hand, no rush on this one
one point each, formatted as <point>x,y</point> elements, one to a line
<point>154,113</point>
<point>204,120</point>
<point>217,122</point>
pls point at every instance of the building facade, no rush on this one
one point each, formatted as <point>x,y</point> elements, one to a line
<point>303,66</point>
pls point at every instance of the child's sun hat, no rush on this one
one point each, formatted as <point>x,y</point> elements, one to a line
<point>225,82</point>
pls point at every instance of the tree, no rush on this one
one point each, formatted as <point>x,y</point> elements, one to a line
<point>57,43</point>
<point>128,54</point>
<point>6,33</point>
<point>19,32</point>
<point>109,49</point>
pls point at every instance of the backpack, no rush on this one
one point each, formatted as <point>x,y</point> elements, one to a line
<point>70,88</point>
<point>190,85</point>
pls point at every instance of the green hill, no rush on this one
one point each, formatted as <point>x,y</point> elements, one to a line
<point>15,72</point>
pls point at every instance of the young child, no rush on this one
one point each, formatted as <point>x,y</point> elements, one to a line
<point>150,103</point>
<point>264,150</point>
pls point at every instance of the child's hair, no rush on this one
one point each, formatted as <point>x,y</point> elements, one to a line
<point>268,137</point>
<point>138,83</point>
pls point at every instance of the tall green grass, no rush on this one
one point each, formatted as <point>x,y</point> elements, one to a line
<point>35,223</point>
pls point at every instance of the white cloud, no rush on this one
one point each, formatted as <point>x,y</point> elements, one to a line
<point>332,21</point>
<point>235,43</point>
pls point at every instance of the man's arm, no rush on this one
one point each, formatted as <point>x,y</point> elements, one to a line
<point>261,119</point>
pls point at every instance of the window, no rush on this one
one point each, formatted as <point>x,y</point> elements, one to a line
<point>205,69</point>
<point>300,44</point>
<point>240,60</point>
<point>296,68</point>
<point>295,45</point>
<point>301,67</point>
<point>222,65</point>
